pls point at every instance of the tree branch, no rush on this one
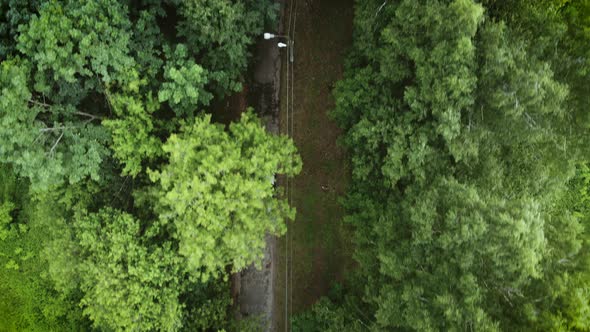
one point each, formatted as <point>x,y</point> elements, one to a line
<point>381,7</point>
<point>38,103</point>
<point>57,141</point>
<point>92,117</point>
<point>53,129</point>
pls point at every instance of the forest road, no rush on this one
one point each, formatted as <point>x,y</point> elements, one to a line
<point>254,286</point>
<point>316,253</point>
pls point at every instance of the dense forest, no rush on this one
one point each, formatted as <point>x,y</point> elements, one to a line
<point>123,206</point>
<point>467,128</point>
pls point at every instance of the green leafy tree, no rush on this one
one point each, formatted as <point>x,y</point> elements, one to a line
<point>88,92</point>
<point>47,153</point>
<point>218,190</point>
<point>146,43</point>
<point>14,14</point>
<point>127,284</point>
<point>339,311</point>
<point>74,61</point>
<point>28,301</point>
<point>219,33</point>
<point>132,132</point>
<point>324,316</point>
<point>74,46</point>
<point>184,83</point>
<point>125,272</point>
<point>560,301</point>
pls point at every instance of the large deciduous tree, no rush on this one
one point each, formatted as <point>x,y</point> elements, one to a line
<point>127,283</point>
<point>218,190</point>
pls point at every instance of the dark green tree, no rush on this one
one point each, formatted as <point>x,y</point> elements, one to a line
<point>220,33</point>
<point>463,132</point>
<point>14,14</point>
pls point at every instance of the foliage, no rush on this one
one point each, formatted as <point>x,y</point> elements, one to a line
<point>562,296</point>
<point>14,14</point>
<point>218,190</point>
<point>220,32</point>
<point>89,91</point>
<point>46,154</point>
<point>75,46</point>
<point>463,132</point>
<point>324,316</point>
<point>336,312</point>
<point>133,140</point>
<point>207,306</point>
<point>27,299</point>
<point>146,45</point>
<point>88,61</point>
<point>127,284</point>
<point>183,87</point>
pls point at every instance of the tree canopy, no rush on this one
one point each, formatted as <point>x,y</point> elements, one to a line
<point>465,126</point>
<point>218,189</point>
<point>123,207</point>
